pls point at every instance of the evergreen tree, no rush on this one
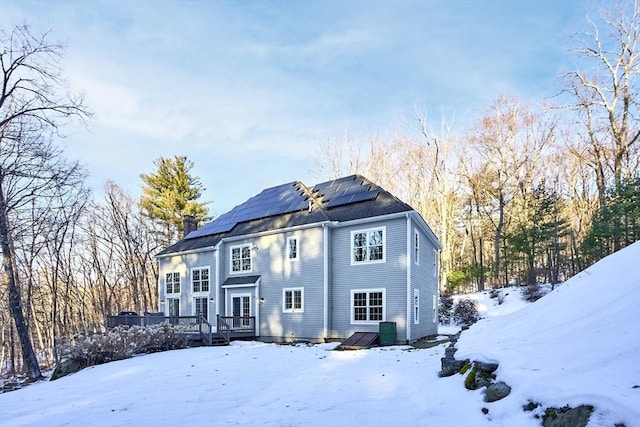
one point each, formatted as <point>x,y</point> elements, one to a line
<point>539,235</point>
<point>617,224</point>
<point>170,193</point>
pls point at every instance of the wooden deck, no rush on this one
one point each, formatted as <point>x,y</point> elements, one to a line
<point>196,328</point>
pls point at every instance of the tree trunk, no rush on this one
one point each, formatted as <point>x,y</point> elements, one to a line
<point>498,237</point>
<point>15,303</point>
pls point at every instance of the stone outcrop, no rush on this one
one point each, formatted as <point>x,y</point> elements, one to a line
<point>496,391</point>
<point>65,368</point>
<point>567,417</point>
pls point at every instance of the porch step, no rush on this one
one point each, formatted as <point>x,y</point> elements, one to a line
<point>360,340</point>
<point>217,340</point>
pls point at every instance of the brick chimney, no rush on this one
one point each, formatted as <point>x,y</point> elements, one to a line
<point>189,224</point>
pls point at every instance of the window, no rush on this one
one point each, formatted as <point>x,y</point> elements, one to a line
<point>172,283</point>
<point>292,248</point>
<point>293,300</point>
<point>201,307</point>
<point>367,246</point>
<point>200,279</point>
<point>241,258</point>
<point>174,306</point>
<point>435,263</point>
<point>368,306</point>
<point>435,309</point>
<point>416,247</point>
<point>416,306</point>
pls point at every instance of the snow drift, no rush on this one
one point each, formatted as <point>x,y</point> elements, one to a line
<point>580,344</point>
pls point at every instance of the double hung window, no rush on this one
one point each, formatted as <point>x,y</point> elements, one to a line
<point>241,258</point>
<point>368,246</point>
<point>172,283</point>
<point>368,306</point>
<point>293,300</point>
<point>200,279</point>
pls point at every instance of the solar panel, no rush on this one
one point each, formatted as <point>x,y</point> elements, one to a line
<point>278,200</point>
<point>322,187</point>
<point>287,198</point>
<point>352,198</point>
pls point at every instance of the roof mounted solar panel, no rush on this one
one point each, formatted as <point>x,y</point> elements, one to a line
<point>278,200</point>
<point>352,198</point>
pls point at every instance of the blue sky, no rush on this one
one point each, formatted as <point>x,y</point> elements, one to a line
<point>248,90</point>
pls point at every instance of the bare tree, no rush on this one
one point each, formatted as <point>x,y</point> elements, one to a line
<point>34,103</point>
<point>606,98</point>
<point>504,159</point>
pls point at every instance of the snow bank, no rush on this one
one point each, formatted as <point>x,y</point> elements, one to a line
<point>580,344</point>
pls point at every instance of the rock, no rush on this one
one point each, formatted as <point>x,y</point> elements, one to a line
<point>477,378</point>
<point>449,352</point>
<point>487,367</point>
<point>450,366</point>
<point>567,417</point>
<point>65,368</point>
<point>496,391</point>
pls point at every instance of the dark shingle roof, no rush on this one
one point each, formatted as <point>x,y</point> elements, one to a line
<point>344,199</point>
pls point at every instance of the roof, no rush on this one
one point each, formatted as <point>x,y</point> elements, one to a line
<point>294,204</point>
<point>241,280</point>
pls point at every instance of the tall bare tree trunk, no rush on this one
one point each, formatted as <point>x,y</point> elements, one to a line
<point>15,301</point>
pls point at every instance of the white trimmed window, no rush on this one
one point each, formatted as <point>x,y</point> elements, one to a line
<point>368,246</point>
<point>416,247</point>
<point>241,259</point>
<point>293,300</point>
<point>201,307</point>
<point>172,283</point>
<point>200,279</point>
<point>416,306</point>
<point>435,309</point>
<point>292,248</point>
<point>435,263</point>
<point>368,305</point>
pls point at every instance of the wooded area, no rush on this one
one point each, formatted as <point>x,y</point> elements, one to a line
<point>532,192</point>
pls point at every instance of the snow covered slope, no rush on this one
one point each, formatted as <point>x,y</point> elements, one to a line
<point>580,344</point>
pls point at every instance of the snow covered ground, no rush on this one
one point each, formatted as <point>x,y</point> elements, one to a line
<point>580,344</point>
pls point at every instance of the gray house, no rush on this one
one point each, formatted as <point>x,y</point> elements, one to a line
<point>314,263</point>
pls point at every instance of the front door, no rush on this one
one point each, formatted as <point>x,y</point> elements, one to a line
<point>241,306</point>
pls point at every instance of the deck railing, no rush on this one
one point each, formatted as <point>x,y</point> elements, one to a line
<point>236,327</point>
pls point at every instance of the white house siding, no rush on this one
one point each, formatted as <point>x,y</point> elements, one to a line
<point>184,264</point>
<point>390,275</point>
<point>270,261</point>
<point>423,280</point>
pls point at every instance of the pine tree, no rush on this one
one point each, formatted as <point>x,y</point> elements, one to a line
<point>539,234</point>
<point>617,224</point>
<point>170,193</point>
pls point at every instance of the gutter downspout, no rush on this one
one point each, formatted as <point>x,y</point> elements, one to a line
<point>256,326</point>
<point>325,284</point>
<point>408,258</point>
<point>216,255</point>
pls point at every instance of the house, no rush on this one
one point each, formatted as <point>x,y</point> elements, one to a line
<point>308,263</point>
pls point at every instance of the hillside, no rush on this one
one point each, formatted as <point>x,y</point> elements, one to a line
<point>579,344</point>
